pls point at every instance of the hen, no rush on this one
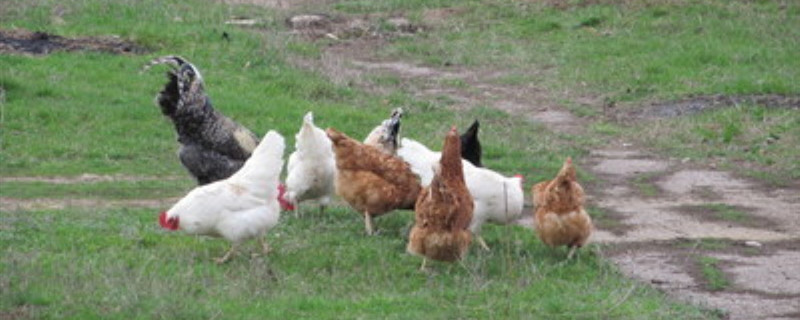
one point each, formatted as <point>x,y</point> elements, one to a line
<point>560,217</point>
<point>212,146</point>
<point>241,207</point>
<point>443,210</point>
<point>384,136</point>
<point>496,198</point>
<point>471,146</point>
<point>370,180</point>
<point>311,166</point>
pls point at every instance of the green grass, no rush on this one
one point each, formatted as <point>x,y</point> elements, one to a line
<point>727,212</point>
<point>645,185</point>
<point>752,140</point>
<point>714,277</point>
<point>114,263</point>
<point>66,114</point>
<point>627,51</point>
<point>114,190</point>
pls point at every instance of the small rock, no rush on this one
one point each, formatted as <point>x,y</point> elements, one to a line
<point>754,244</point>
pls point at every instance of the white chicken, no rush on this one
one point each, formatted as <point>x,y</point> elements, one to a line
<point>496,198</point>
<point>239,208</point>
<point>311,167</point>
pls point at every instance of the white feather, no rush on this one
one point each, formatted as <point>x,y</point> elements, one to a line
<point>496,198</point>
<point>241,207</point>
<point>312,166</point>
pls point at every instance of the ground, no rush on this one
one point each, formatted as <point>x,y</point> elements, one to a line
<point>664,219</point>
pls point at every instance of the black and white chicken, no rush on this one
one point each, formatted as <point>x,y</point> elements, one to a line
<point>212,146</point>
<point>386,135</point>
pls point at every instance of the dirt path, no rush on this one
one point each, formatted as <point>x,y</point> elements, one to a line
<point>669,222</point>
<point>666,218</point>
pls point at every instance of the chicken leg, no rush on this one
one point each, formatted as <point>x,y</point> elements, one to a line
<point>264,245</point>
<point>572,250</point>
<point>483,243</point>
<point>227,255</point>
<point>368,224</point>
<point>422,267</point>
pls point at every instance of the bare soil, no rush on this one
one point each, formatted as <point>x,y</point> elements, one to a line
<point>657,224</point>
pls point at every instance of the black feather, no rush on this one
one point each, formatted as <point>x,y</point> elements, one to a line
<point>471,146</point>
<point>213,146</point>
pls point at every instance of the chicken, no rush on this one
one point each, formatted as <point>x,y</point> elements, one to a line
<point>560,218</point>
<point>239,208</point>
<point>371,181</point>
<point>420,158</point>
<point>496,198</point>
<point>471,146</point>
<point>212,146</point>
<point>385,136</point>
<point>311,166</point>
<point>443,210</point>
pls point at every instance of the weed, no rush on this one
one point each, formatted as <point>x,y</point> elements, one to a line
<point>714,276</point>
<point>727,212</point>
<point>644,183</point>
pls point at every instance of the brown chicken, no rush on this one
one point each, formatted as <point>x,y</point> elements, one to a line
<point>560,216</point>
<point>371,181</point>
<point>444,209</point>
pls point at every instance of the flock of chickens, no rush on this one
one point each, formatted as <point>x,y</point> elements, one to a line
<point>240,195</point>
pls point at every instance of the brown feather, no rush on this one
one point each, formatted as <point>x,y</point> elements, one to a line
<point>444,209</point>
<point>560,216</point>
<point>370,180</point>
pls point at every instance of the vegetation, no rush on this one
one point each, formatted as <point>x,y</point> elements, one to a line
<point>69,113</point>
<point>714,277</point>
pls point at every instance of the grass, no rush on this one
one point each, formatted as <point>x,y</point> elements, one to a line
<point>756,141</point>
<point>727,212</point>
<point>66,114</point>
<point>714,277</point>
<point>644,183</point>
<point>118,263</point>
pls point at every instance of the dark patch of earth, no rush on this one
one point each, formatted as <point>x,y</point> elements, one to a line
<point>19,41</point>
<point>697,104</point>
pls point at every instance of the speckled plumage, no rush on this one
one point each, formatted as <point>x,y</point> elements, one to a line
<point>212,146</point>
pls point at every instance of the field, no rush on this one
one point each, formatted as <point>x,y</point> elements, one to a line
<point>87,161</point>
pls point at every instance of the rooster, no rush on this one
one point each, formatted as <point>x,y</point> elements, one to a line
<point>370,180</point>
<point>443,210</point>
<point>471,146</point>
<point>560,217</point>
<point>212,146</point>
<point>239,208</point>
<point>385,136</point>
<point>496,198</point>
<point>311,166</point>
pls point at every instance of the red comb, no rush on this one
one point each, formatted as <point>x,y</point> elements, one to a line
<point>285,204</point>
<point>169,224</point>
